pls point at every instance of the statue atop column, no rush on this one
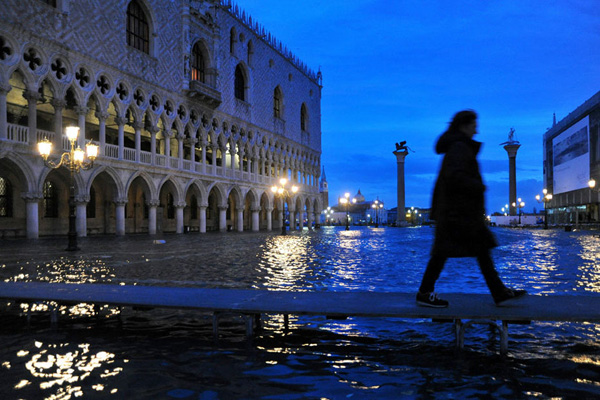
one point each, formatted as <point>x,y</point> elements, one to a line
<point>511,147</point>
<point>511,138</point>
<point>401,152</point>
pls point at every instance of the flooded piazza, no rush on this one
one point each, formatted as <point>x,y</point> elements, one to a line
<point>172,354</point>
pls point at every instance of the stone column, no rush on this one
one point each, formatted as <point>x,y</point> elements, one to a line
<point>102,116</point>
<point>32,98</point>
<point>292,216</point>
<point>214,159</point>
<point>180,139</point>
<point>167,137</point>
<point>269,218</point>
<point>240,220</point>
<point>33,225</point>
<point>81,113</point>
<point>153,131</point>
<point>281,220</point>
<point>152,205</point>
<point>121,142</point>
<point>179,217</point>
<point>58,105</point>
<point>300,220</point>
<point>137,126</point>
<point>120,220</point>
<point>203,144</point>
<point>255,219</point>
<point>232,153</point>
<point>511,149</point>
<point>401,195</point>
<point>81,215</point>
<point>202,219</point>
<point>193,142</point>
<point>223,218</point>
<point>4,89</point>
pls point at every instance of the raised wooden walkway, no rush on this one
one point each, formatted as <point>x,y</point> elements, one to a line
<point>476,308</point>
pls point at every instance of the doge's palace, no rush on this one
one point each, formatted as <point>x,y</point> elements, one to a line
<point>197,110</point>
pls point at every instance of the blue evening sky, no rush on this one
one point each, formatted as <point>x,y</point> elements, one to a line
<point>398,70</point>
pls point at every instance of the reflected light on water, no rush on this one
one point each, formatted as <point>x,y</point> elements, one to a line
<point>589,269</point>
<point>286,261</point>
<point>64,369</point>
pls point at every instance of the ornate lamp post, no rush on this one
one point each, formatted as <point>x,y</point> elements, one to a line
<point>545,199</point>
<point>328,215</point>
<point>593,188</point>
<point>74,161</point>
<point>377,205</point>
<point>346,200</point>
<point>282,192</point>
<point>519,205</point>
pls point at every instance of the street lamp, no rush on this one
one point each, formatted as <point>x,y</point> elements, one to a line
<point>519,205</point>
<point>328,215</point>
<point>346,200</point>
<point>592,185</point>
<point>282,192</point>
<point>545,199</point>
<point>377,205</point>
<point>74,161</point>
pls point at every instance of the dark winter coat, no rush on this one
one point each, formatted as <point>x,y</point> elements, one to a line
<point>458,200</point>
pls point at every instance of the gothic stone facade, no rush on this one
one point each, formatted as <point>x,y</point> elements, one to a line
<point>197,110</point>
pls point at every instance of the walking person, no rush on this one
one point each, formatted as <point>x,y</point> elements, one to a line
<point>459,211</point>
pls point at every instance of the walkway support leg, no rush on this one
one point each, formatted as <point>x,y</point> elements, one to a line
<point>504,338</point>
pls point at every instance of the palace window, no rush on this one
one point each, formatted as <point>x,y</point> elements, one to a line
<point>5,198</point>
<point>277,99</point>
<point>198,67</point>
<point>138,30</point>
<point>240,83</point>
<point>50,2</point>
<point>232,35</point>
<point>50,200</point>
<point>303,118</point>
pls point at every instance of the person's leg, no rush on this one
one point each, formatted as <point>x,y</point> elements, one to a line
<point>432,273</point>
<point>494,283</point>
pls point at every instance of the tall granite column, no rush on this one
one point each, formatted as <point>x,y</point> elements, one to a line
<point>511,149</point>
<point>401,215</point>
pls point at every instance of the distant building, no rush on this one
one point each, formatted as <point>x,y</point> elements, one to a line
<point>414,215</point>
<point>360,211</point>
<point>571,159</point>
<point>324,189</point>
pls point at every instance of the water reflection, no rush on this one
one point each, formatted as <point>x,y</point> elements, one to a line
<point>589,268</point>
<point>63,369</point>
<point>173,352</point>
<point>285,262</point>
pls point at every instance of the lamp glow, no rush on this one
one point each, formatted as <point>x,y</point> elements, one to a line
<point>45,147</point>
<point>72,132</point>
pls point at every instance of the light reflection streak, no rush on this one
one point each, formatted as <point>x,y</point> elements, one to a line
<point>589,269</point>
<point>63,369</point>
<point>284,261</point>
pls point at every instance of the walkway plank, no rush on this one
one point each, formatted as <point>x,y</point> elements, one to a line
<point>575,308</point>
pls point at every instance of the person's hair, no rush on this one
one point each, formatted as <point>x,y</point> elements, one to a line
<point>462,118</point>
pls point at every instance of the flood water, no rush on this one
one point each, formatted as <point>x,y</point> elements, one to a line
<point>172,354</point>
